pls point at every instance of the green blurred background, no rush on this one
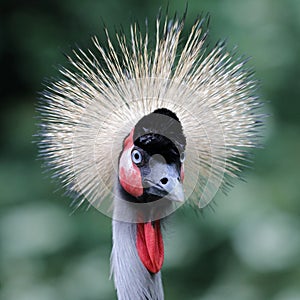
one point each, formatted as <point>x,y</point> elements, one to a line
<point>248,248</point>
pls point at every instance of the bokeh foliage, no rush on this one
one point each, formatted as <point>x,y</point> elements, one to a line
<point>248,248</point>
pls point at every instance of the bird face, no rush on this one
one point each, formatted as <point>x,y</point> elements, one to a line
<point>151,162</point>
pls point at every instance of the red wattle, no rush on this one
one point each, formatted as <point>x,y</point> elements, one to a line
<point>150,245</point>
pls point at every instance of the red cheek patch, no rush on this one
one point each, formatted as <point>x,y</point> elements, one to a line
<point>129,174</point>
<point>182,173</point>
<point>128,143</point>
<point>131,181</point>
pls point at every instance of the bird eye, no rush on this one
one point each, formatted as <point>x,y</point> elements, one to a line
<point>182,157</point>
<point>136,156</point>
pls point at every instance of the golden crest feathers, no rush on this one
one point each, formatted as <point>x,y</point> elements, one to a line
<point>86,115</point>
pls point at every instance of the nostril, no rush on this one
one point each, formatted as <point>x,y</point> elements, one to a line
<point>164,180</point>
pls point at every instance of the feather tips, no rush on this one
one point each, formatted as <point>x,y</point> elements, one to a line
<point>86,115</point>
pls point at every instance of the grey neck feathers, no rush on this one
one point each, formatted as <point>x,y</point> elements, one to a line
<point>132,280</point>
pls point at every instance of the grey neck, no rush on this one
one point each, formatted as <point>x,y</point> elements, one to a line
<point>132,280</point>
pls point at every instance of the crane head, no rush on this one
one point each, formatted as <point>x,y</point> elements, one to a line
<point>151,161</point>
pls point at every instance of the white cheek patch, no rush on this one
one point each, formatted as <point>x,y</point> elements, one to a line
<point>129,174</point>
<point>125,160</point>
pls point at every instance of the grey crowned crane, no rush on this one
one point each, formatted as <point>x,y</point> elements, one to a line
<point>138,132</point>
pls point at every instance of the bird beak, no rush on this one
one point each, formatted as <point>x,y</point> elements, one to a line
<point>176,194</point>
<point>164,181</point>
<point>172,191</point>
